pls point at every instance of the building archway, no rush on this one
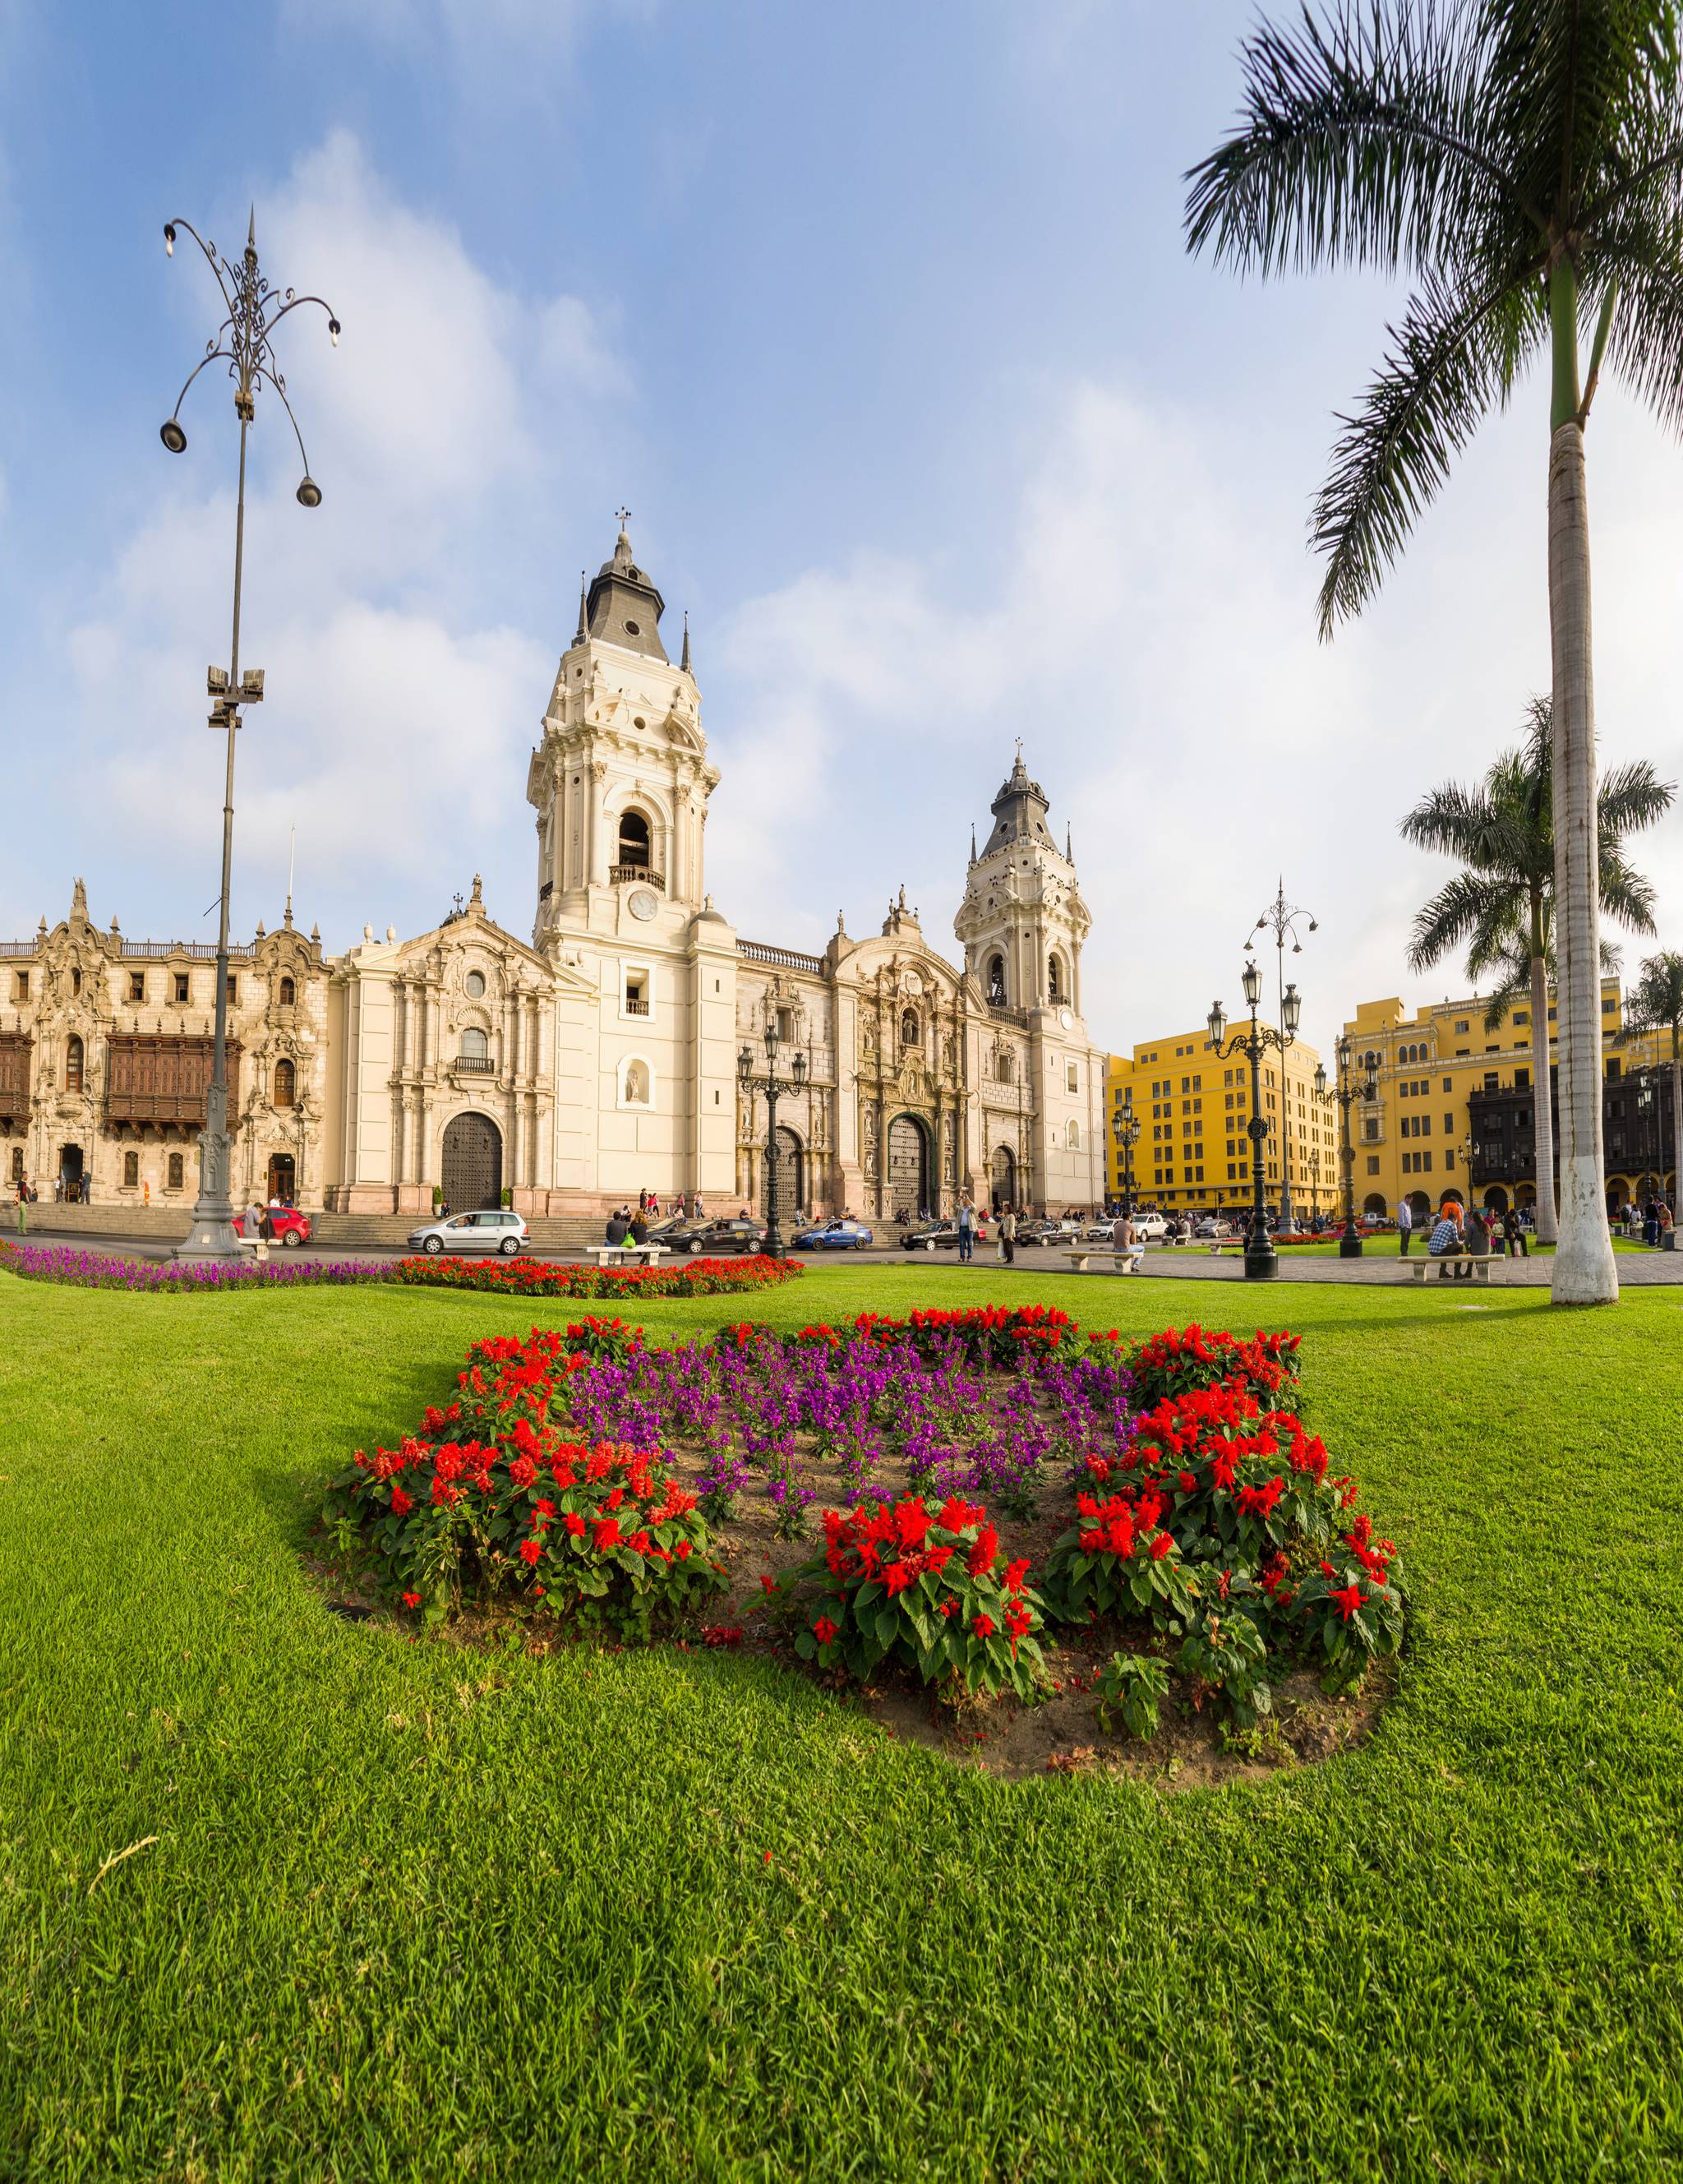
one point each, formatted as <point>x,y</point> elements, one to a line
<point>791,1175</point>
<point>1374,1202</point>
<point>1001,1178</point>
<point>1419,1205</point>
<point>70,1169</point>
<point>1496,1199</point>
<point>472,1167</point>
<point>908,1166</point>
<point>282,1177</point>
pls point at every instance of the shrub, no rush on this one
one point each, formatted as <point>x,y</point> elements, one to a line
<point>605,1536</point>
<point>1119,1560</point>
<point>1226,1654</point>
<point>1136,1686</point>
<point>900,1584</point>
<point>1006,1336</point>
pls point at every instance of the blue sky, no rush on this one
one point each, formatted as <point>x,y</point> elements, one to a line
<point>880,321</point>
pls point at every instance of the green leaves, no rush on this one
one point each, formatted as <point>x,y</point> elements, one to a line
<point>1133,1686</point>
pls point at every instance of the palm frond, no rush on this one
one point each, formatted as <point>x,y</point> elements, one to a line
<point>1450,360</point>
<point>1361,139</point>
<point>1655,1002</point>
<point>1470,910</point>
<point>1630,797</point>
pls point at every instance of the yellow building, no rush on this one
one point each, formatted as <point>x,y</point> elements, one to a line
<point>1421,1138</point>
<point>1192,1108</point>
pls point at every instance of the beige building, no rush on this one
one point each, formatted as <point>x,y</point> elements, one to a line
<point>598,1057</point>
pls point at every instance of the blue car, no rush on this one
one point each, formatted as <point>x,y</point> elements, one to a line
<point>838,1236</point>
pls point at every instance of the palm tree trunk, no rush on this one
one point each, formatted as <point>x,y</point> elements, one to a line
<point>1676,1127</point>
<point>1542,1106</point>
<point>1585,1270</point>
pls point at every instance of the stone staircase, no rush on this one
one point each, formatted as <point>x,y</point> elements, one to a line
<point>329,1232</point>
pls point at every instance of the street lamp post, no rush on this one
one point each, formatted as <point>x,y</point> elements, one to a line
<point>243,343</point>
<point>1280,919</point>
<point>1645,1107</point>
<point>1262,1263</point>
<point>1125,1127</point>
<point>1350,1243</point>
<point>773,1087</point>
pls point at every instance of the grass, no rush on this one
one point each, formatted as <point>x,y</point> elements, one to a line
<point>405,1912</point>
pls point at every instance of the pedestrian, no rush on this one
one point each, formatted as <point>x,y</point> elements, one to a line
<point>643,1201</point>
<point>22,1206</point>
<point>1125,1240</point>
<point>1405,1225</point>
<point>1513,1234</point>
<point>251,1228</point>
<point>967,1230</point>
<point>1007,1237</point>
<point>58,1190</point>
<point>698,1208</point>
<point>145,1192</point>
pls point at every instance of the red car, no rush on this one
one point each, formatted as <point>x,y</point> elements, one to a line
<point>290,1227</point>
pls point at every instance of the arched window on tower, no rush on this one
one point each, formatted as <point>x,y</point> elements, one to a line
<point>996,982</point>
<point>288,993</point>
<point>475,1048</point>
<point>285,1084</point>
<point>73,1064</point>
<point>633,841</point>
<point>1054,978</point>
<point>911,1031</point>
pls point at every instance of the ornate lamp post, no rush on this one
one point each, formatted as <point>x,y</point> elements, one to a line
<point>1125,1127</point>
<point>243,343</point>
<point>1350,1243</point>
<point>1261,1261</point>
<point>1645,1108</point>
<point>1280,919</point>
<point>773,1087</point>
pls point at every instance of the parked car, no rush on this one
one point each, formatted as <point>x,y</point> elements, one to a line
<point>1150,1227</point>
<point>495,1229</point>
<point>720,1237</point>
<point>840,1235</point>
<point>1210,1228</point>
<point>290,1227</point>
<point>930,1236</point>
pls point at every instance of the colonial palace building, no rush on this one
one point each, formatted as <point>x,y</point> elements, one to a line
<point>600,1057</point>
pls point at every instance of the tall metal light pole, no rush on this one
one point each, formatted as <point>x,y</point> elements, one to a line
<point>1280,919</point>
<point>243,342</point>
<point>773,1087</point>
<point>1262,1263</point>
<point>1125,1127</point>
<point>1350,1243</point>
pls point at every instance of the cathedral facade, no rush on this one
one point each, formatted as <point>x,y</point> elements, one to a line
<point>568,1071</point>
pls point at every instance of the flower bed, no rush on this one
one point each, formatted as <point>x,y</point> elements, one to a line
<point>538,1278</point>
<point>1186,1520</point>
<point>73,1263</point>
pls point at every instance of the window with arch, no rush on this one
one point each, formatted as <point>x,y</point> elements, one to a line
<point>177,1171</point>
<point>73,1064</point>
<point>911,1030</point>
<point>131,1171</point>
<point>635,840</point>
<point>634,1085</point>
<point>996,981</point>
<point>1054,978</point>
<point>285,1084</point>
<point>288,993</point>
<point>476,1046</point>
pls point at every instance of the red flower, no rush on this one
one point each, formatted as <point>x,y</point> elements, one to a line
<point>826,1631</point>
<point>983,1626</point>
<point>401,1503</point>
<point>682,1551</point>
<point>574,1524</point>
<point>949,1606</point>
<point>1160,1546</point>
<point>896,1577</point>
<point>412,1600</point>
<point>640,1542</point>
<point>608,1535</point>
<point>1015,1573</point>
<point>531,1550</point>
<point>982,1554</point>
<point>768,1583</point>
<point>1347,1601</point>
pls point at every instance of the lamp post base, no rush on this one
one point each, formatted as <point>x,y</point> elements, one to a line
<point>1349,1247</point>
<point>214,1237</point>
<point>1261,1264</point>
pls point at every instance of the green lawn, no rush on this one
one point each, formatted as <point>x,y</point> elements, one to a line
<point>407,1912</point>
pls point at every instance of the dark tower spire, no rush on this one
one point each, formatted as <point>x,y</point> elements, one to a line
<point>684,662</point>
<point>583,629</point>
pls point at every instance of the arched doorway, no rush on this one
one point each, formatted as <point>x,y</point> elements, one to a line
<point>1419,1205</point>
<point>1374,1202</point>
<point>791,1175</point>
<point>907,1166</point>
<point>282,1177</point>
<point>1002,1175</point>
<point>1496,1199</point>
<point>473,1163</point>
<point>70,1170</point>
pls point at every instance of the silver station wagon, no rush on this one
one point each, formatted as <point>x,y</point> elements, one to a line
<point>495,1230</point>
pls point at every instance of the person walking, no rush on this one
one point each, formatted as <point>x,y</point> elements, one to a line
<point>22,1206</point>
<point>967,1230</point>
<point>1513,1234</point>
<point>1405,1226</point>
<point>251,1228</point>
<point>1007,1237</point>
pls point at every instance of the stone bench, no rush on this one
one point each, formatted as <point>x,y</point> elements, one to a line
<point>1451,1270</point>
<point>1123,1262</point>
<point>257,1247</point>
<point>618,1255</point>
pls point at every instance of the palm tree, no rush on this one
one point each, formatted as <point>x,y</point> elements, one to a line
<point>1522,161</point>
<point>1501,906</point>
<point>1655,1006</point>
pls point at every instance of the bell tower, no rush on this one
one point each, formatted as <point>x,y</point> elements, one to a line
<point>1023,922</point>
<point>621,780</point>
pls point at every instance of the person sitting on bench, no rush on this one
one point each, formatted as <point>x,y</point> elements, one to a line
<point>1445,1242</point>
<point>1125,1241</point>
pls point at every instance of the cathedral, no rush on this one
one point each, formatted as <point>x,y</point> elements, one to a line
<point>565,1072</point>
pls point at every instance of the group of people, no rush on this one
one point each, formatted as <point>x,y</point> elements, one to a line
<point>1653,1218</point>
<point>1459,1232</point>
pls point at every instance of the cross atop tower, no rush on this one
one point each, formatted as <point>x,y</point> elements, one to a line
<point>624,516</point>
